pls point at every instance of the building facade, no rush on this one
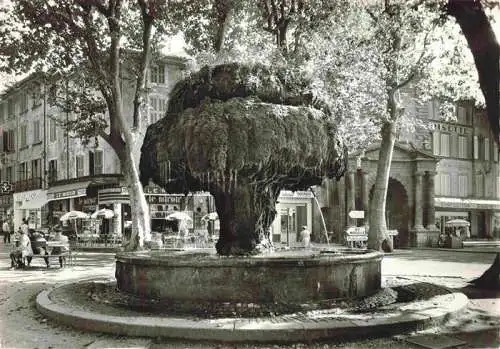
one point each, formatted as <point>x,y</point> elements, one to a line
<point>446,171</point>
<point>49,171</point>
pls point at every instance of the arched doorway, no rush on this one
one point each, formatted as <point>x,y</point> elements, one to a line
<point>397,212</point>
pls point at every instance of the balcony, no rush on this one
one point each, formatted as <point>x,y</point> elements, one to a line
<point>28,184</point>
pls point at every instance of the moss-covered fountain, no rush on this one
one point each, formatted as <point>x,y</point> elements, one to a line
<point>244,133</point>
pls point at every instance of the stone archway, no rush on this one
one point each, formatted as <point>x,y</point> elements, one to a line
<point>397,212</point>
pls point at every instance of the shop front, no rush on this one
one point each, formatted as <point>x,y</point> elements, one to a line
<point>483,215</point>
<point>30,205</point>
<point>294,210</point>
<point>115,199</point>
<point>62,199</point>
<point>6,205</point>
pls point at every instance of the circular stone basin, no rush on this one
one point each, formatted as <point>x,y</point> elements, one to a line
<point>291,277</point>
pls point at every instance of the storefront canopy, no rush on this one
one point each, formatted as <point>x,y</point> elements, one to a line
<point>67,191</point>
<point>30,200</point>
<point>470,204</point>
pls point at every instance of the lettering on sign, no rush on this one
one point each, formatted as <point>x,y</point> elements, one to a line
<point>87,201</point>
<point>121,190</point>
<point>163,199</point>
<point>70,193</point>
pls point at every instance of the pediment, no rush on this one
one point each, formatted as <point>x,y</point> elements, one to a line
<point>402,152</point>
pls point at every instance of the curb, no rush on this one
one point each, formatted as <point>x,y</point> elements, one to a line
<point>435,311</point>
<point>462,250</point>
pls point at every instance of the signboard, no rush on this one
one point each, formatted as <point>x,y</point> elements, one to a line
<point>163,199</point>
<point>357,214</point>
<point>67,194</point>
<point>5,187</point>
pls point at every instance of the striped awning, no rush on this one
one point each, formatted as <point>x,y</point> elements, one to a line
<point>118,195</point>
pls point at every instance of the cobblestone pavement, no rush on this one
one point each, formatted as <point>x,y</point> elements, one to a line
<point>21,326</point>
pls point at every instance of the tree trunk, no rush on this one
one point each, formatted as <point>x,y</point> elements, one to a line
<point>484,46</point>
<point>378,227</point>
<point>491,277</point>
<point>245,214</point>
<point>141,225</point>
<point>237,222</point>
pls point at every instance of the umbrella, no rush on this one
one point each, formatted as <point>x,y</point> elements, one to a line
<point>181,216</point>
<point>212,216</point>
<point>73,215</point>
<point>103,212</point>
<point>457,223</point>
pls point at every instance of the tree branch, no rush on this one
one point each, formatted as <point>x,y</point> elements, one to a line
<point>147,25</point>
<point>98,4</point>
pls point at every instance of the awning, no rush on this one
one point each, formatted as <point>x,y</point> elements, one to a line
<point>30,200</point>
<point>67,191</point>
<point>117,195</point>
<point>471,204</point>
<point>33,204</point>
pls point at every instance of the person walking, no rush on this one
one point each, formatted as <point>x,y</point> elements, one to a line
<point>6,231</point>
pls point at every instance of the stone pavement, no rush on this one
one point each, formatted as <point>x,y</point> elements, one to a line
<point>21,326</point>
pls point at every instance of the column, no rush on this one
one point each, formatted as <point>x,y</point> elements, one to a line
<point>365,195</point>
<point>351,192</point>
<point>431,210</point>
<point>418,209</point>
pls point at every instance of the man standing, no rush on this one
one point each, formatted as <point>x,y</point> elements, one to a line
<point>305,235</point>
<point>6,231</point>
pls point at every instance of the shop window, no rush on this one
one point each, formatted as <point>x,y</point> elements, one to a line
<point>479,185</point>
<point>24,136</point>
<point>9,141</point>
<point>52,175</point>
<point>445,144</point>
<point>158,107</point>
<point>9,175</point>
<point>11,112</point>
<point>80,170</point>
<point>463,186</point>
<point>158,74</point>
<point>476,147</point>
<point>22,171</point>
<point>36,168</point>
<point>24,103</point>
<point>486,149</point>
<point>445,184</point>
<point>52,130</point>
<point>462,147</point>
<point>36,132</point>
<point>435,143</point>
<point>98,162</point>
<point>37,95</point>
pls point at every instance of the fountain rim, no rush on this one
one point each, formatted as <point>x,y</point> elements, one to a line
<point>215,261</point>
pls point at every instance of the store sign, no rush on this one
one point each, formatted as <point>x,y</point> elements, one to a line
<point>28,195</point>
<point>163,199</point>
<point>69,193</point>
<point>5,187</point>
<point>153,190</point>
<point>121,190</point>
<point>87,201</point>
<point>295,194</point>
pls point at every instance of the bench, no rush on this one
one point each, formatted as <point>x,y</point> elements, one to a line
<point>62,258</point>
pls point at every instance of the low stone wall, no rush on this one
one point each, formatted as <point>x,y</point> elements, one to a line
<point>424,238</point>
<point>283,277</point>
